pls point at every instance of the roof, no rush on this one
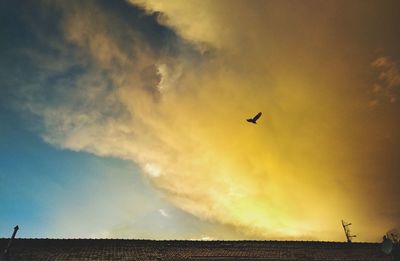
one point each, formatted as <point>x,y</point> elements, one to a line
<point>118,249</point>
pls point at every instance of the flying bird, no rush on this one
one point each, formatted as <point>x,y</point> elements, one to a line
<point>255,118</point>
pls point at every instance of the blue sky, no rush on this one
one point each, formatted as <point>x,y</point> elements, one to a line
<point>42,184</point>
<point>36,178</point>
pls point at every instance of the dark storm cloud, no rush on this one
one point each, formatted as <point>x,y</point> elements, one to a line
<point>53,51</point>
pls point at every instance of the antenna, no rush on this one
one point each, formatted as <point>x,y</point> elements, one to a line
<point>7,250</point>
<point>346,228</point>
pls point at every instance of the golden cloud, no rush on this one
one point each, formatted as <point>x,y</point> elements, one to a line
<point>291,176</point>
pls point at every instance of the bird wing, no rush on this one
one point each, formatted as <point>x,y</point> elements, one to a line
<point>257,116</point>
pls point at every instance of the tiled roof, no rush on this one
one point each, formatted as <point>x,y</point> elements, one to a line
<point>117,249</point>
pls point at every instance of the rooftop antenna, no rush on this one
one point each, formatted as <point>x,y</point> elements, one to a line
<point>346,228</point>
<point>7,250</point>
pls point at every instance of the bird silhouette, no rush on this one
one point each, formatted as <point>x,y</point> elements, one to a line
<point>255,118</point>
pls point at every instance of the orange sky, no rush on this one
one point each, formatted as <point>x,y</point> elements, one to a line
<point>325,148</point>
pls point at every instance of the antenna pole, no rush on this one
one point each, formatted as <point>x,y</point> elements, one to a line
<point>7,250</point>
<point>346,229</point>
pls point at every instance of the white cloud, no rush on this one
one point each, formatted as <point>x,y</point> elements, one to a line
<point>153,170</point>
<point>163,212</point>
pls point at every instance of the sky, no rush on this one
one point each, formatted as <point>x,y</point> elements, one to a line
<point>127,119</point>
